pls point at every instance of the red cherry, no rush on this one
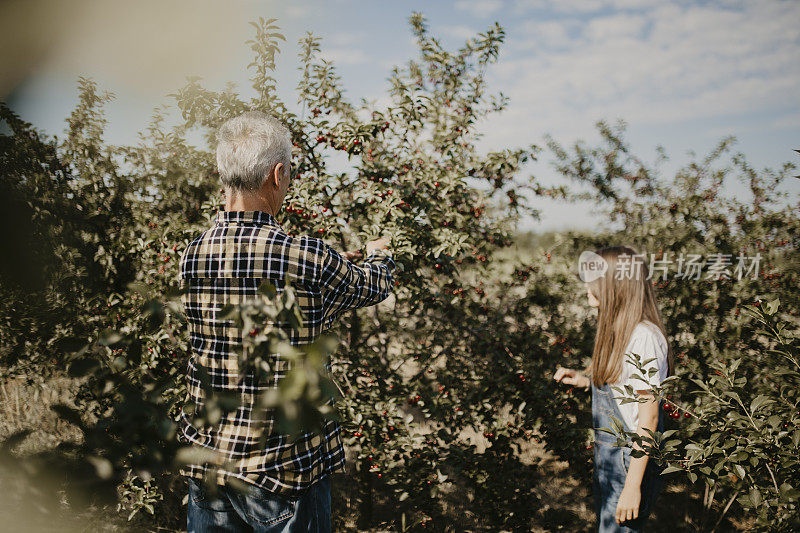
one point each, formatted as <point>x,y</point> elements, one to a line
<point>687,415</point>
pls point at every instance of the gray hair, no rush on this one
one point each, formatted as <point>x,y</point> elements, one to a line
<point>248,149</point>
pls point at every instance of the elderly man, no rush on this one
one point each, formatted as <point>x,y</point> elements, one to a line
<point>288,480</point>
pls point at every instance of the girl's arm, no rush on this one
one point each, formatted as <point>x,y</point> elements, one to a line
<point>569,376</point>
<point>629,500</point>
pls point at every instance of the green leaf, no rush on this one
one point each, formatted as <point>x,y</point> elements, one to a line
<point>135,352</point>
<point>228,312</point>
<point>109,337</point>
<point>670,469</point>
<point>70,344</point>
<point>268,289</point>
<point>758,402</point>
<point>745,501</point>
<point>83,367</point>
<point>102,466</point>
<point>755,497</point>
<point>732,394</point>
<point>175,292</point>
<point>789,493</point>
<point>141,288</point>
<point>771,307</point>
<point>196,456</point>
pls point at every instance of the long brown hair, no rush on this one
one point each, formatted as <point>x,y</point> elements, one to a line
<point>626,298</point>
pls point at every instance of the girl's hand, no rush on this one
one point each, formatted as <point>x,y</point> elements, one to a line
<point>628,505</point>
<point>571,377</point>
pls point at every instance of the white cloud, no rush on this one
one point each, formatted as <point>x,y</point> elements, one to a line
<point>583,6</point>
<point>345,39</point>
<point>790,121</point>
<point>459,32</point>
<point>346,55</point>
<point>705,70</point>
<point>661,66</point>
<point>561,6</point>
<point>347,48</point>
<point>538,35</point>
<point>615,27</point>
<point>296,11</point>
<point>479,8</point>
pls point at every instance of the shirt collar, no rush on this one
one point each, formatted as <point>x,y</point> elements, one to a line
<point>246,218</point>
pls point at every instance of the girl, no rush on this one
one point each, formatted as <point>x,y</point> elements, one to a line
<point>628,322</point>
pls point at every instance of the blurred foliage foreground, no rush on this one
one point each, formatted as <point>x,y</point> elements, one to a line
<point>446,387</point>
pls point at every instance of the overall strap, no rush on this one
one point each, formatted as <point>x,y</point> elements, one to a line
<point>604,410</point>
<point>604,407</point>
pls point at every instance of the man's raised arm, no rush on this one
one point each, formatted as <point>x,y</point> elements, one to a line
<point>347,286</point>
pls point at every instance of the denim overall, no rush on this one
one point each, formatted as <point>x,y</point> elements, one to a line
<point>611,466</point>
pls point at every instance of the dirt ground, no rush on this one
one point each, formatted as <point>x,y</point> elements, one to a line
<point>563,503</point>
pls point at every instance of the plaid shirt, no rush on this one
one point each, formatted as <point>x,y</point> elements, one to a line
<point>225,265</point>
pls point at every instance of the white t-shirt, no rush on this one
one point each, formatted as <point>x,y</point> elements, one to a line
<point>649,343</point>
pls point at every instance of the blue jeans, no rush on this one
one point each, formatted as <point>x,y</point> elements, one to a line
<point>259,511</point>
<point>610,469</point>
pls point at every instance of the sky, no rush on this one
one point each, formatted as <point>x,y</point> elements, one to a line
<point>682,74</point>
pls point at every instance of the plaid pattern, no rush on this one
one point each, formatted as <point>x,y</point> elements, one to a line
<point>225,265</point>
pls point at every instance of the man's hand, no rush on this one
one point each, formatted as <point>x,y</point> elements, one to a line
<point>379,244</point>
<point>355,254</point>
<point>571,377</point>
<point>628,505</point>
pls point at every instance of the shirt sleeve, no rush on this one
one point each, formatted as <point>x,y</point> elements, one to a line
<point>651,352</point>
<point>346,285</point>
